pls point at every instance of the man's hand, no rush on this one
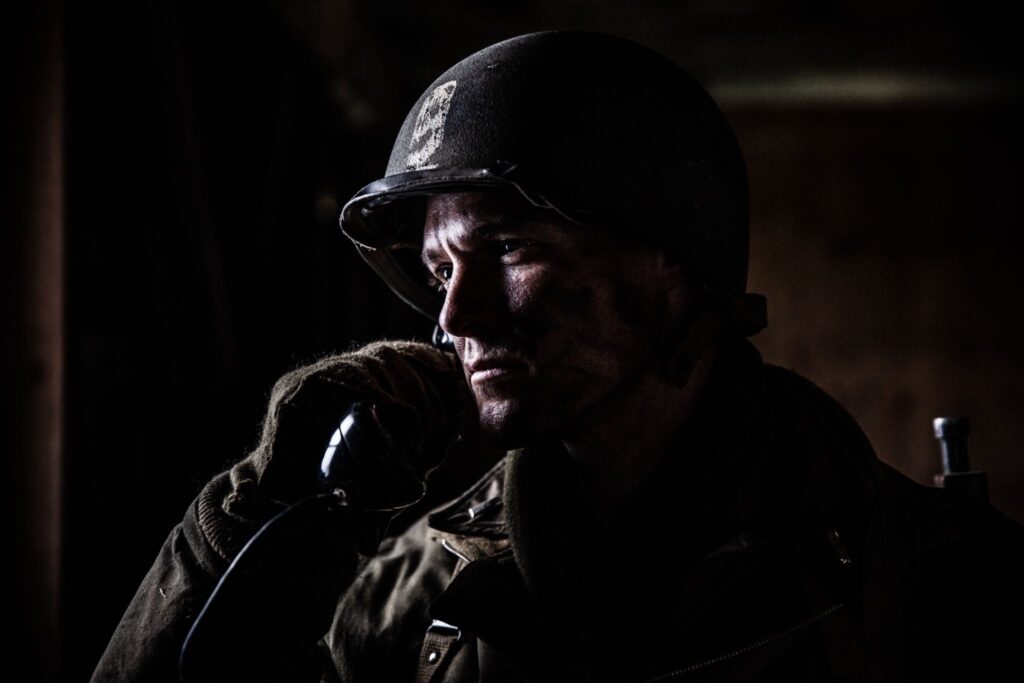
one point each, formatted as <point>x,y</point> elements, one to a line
<point>417,394</point>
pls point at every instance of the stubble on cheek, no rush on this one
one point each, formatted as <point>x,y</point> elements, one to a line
<point>585,330</point>
<point>542,329</point>
<point>610,340</point>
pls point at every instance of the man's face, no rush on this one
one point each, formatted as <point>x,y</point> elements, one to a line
<point>553,322</point>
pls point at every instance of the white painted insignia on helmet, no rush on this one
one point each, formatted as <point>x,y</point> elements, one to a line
<point>428,133</point>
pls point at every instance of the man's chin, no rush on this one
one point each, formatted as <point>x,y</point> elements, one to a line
<point>509,424</point>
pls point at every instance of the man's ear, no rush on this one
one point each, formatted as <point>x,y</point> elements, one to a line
<point>671,273</point>
<point>676,285</point>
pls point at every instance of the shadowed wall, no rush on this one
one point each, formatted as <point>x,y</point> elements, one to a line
<point>885,240</point>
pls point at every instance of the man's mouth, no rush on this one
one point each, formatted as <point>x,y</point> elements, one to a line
<point>487,369</point>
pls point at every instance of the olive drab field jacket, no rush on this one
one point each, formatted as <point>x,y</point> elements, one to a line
<point>771,544</point>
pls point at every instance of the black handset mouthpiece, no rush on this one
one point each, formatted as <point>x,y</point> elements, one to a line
<point>442,340</point>
<point>365,463</point>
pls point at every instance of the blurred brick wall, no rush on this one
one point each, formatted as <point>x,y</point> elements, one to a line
<point>887,241</point>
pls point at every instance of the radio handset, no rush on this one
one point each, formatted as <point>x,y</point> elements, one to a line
<point>366,465</point>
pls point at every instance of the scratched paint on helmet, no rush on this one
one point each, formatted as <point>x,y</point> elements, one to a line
<point>428,133</point>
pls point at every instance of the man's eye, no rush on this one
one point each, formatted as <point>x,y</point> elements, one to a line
<point>439,278</point>
<point>510,246</point>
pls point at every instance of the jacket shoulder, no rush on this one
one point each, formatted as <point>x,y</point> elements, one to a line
<point>939,571</point>
<point>820,452</point>
<point>800,404</point>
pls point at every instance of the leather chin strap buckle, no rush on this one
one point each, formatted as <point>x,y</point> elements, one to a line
<point>752,313</point>
<point>706,322</point>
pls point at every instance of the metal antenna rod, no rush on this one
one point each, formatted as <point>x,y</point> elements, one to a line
<point>957,474</point>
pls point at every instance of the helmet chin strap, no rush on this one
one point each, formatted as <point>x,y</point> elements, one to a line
<point>705,323</point>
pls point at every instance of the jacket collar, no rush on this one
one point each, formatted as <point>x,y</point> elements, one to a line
<point>472,527</point>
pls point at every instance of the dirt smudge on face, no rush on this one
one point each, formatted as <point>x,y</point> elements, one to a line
<point>571,298</point>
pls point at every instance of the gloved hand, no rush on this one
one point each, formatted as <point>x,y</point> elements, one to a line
<point>420,395</point>
<point>414,393</point>
<point>278,597</point>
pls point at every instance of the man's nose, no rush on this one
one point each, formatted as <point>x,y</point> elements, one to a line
<point>470,303</point>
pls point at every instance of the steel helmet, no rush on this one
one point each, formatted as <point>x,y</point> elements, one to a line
<point>602,130</point>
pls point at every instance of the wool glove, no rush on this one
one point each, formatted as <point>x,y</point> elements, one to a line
<point>421,394</point>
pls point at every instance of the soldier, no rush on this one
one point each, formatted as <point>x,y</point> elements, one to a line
<point>571,208</point>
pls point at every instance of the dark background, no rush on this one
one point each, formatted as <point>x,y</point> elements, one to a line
<point>170,247</point>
